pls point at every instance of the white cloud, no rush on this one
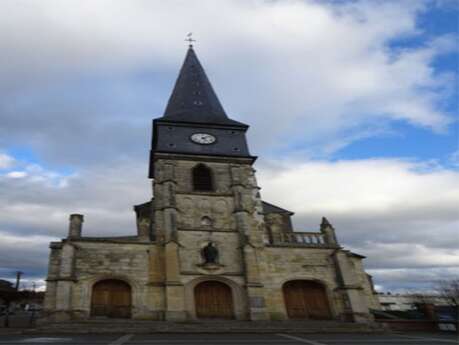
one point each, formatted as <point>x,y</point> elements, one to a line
<point>41,201</point>
<point>405,280</point>
<point>454,158</point>
<point>27,242</point>
<point>382,186</point>
<point>409,255</point>
<point>6,161</point>
<point>23,253</point>
<point>35,209</point>
<point>16,174</point>
<point>304,74</point>
<point>402,215</point>
<point>314,70</point>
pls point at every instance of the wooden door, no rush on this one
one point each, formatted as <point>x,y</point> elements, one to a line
<point>213,300</point>
<point>306,300</point>
<point>111,298</point>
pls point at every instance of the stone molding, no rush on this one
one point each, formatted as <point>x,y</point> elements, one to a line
<point>166,180</point>
<point>349,287</point>
<point>200,158</point>
<point>160,284</point>
<point>197,273</point>
<point>210,266</point>
<point>71,279</point>
<point>257,285</point>
<point>300,245</point>
<point>103,240</point>
<point>207,230</point>
<point>195,193</point>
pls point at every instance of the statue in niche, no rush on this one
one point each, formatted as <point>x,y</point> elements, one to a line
<point>210,254</point>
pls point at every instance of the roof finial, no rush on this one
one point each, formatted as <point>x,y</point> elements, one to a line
<point>325,223</point>
<point>190,39</point>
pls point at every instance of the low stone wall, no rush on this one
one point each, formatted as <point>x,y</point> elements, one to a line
<point>419,325</point>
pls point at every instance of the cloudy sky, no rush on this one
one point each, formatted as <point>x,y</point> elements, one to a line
<point>352,107</point>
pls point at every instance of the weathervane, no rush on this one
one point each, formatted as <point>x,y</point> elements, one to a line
<point>190,39</point>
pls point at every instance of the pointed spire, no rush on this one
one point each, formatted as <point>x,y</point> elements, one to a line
<point>193,98</point>
<point>325,223</point>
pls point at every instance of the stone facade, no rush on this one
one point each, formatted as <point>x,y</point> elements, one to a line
<point>255,253</point>
<point>258,253</point>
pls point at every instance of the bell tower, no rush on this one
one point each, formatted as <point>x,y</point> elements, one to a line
<point>194,122</point>
<point>207,212</point>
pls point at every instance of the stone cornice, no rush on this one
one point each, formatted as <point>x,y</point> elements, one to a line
<point>350,287</point>
<point>253,284</point>
<point>298,245</point>
<point>111,241</point>
<point>67,279</point>
<point>208,230</point>
<point>193,157</point>
<point>194,193</point>
<point>198,273</point>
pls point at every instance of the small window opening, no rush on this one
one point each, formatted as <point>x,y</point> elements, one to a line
<point>202,178</point>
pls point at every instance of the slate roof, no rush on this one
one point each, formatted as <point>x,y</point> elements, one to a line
<point>143,206</point>
<point>144,210</point>
<point>193,99</point>
<point>109,238</point>
<point>267,207</point>
<point>270,208</point>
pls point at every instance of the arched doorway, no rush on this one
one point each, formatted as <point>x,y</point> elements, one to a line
<point>214,300</point>
<point>111,298</point>
<point>306,299</point>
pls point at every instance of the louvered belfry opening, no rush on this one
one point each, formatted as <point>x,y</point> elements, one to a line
<point>202,178</point>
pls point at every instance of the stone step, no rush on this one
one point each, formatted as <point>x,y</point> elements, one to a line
<point>139,326</point>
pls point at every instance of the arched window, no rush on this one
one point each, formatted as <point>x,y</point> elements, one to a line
<point>202,178</point>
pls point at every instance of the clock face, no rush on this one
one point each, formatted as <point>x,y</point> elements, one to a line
<point>203,138</point>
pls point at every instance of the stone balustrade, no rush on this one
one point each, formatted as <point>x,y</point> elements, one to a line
<point>307,239</point>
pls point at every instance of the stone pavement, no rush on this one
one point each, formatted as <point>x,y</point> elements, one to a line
<point>214,326</point>
<point>231,339</point>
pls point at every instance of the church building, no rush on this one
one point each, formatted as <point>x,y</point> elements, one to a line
<point>207,245</point>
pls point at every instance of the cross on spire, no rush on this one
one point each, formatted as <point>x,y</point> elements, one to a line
<point>190,39</point>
